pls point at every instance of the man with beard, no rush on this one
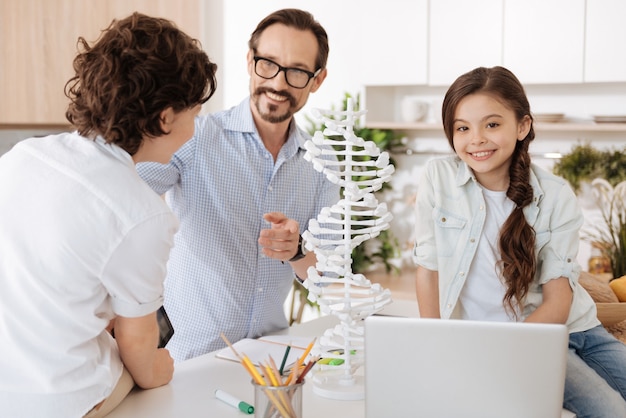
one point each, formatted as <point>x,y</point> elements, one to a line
<point>243,193</point>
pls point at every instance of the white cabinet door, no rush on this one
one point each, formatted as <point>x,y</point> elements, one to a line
<point>392,42</point>
<point>605,43</point>
<point>463,35</point>
<point>543,40</point>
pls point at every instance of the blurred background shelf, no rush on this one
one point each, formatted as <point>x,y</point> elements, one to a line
<point>554,127</point>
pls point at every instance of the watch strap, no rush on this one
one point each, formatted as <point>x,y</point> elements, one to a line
<point>301,251</point>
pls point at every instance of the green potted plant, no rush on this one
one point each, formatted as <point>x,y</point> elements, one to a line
<point>585,163</point>
<point>605,172</point>
<point>611,237</point>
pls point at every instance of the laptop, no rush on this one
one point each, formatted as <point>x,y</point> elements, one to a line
<point>433,368</point>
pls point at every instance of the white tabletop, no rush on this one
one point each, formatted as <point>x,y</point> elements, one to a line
<point>191,392</point>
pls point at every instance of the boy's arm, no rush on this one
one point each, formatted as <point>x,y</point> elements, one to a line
<point>137,339</point>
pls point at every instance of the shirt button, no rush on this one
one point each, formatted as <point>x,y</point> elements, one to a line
<point>260,289</point>
<point>461,274</point>
<point>270,188</point>
<point>482,207</point>
<point>472,240</point>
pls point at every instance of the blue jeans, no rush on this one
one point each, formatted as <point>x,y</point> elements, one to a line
<point>595,382</point>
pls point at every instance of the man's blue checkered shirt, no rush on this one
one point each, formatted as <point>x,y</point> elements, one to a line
<point>219,184</point>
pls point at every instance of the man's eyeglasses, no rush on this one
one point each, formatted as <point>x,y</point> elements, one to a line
<point>295,77</point>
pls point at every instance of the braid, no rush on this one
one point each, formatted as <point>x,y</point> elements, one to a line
<point>517,237</point>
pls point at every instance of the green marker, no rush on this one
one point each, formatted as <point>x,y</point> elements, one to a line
<point>282,364</point>
<point>232,401</point>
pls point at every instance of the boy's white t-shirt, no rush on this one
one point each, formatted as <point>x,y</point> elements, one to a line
<point>82,240</point>
<point>484,289</point>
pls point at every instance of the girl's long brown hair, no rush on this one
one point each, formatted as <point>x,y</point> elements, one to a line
<point>517,238</point>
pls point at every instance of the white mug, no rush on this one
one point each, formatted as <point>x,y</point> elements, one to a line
<point>413,109</point>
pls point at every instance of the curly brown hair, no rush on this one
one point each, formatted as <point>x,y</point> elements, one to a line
<point>138,67</point>
<point>517,237</point>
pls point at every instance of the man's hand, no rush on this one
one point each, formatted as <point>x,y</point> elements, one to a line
<point>281,240</point>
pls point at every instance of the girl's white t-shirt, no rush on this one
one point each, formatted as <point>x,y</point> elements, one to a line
<point>484,289</point>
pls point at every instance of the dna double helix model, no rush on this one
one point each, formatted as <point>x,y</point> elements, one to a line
<point>360,169</point>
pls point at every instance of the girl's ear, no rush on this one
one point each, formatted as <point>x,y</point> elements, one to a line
<point>523,128</point>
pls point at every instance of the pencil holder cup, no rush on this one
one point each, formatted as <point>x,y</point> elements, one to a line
<point>278,401</point>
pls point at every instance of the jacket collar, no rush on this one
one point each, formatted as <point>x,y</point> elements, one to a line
<point>531,211</point>
<point>241,120</point>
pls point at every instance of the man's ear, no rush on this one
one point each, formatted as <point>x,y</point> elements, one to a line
<point>250,60</point>
<point>167,118</point>
<point>317,81</point>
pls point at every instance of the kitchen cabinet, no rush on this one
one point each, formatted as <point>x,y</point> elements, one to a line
<point>565,49</point>
<point>463,35</point>
<point>392,42</point>
<point>605,60</point>
<point>543,40</point>
<point>38,44</point>
<point>540,41</point>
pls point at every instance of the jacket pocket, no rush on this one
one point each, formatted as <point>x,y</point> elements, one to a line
<point>449,229</point>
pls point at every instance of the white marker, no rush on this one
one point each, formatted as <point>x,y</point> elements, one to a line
<point>234,402</point>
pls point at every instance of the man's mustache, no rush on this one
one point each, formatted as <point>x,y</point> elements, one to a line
<point>283,93</point>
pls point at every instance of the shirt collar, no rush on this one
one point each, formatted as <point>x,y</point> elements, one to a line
<point>295,139</point>
<point>241,120</point>
<point>465,174</point>
<point>114,150</point>
<point>538,192</point>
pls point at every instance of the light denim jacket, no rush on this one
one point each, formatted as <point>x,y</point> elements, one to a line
<point>450,214</point>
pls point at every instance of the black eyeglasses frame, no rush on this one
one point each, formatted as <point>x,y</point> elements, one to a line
<point>311,75</point>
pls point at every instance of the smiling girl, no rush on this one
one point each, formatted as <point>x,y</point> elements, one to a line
<point>497,237</point>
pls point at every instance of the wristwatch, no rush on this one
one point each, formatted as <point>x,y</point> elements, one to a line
<point>301,251</point>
